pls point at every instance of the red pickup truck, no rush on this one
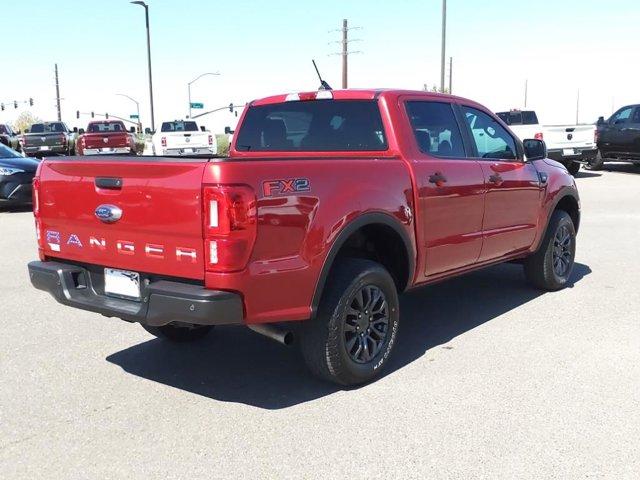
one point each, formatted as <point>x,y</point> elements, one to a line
<point>330,204</point>
<point>105,137</point>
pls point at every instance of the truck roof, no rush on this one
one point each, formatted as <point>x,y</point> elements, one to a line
<point>354,94</point>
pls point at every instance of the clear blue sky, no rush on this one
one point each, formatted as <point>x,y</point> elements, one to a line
<point>262,48</point>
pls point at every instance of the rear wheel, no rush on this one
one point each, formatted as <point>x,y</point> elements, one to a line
<point>595,163</point>
<point>353,333</point>
<point>179,332</point>
<point>573,168</point>
<point>551,266</point>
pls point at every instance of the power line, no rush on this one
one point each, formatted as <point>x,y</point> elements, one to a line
<point>345,49</point>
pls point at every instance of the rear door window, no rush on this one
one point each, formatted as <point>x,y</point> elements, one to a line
<point>436,129</point>
<point>320,125</point>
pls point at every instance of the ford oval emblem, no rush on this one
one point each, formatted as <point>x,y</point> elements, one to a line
<point>108,213</point>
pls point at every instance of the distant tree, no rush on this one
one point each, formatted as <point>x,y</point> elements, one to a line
<point>25,120</point>
<point>435,89</point>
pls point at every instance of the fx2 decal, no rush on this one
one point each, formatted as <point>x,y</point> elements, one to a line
<point>281,187</point>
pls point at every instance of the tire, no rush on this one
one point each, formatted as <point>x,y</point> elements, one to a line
<point>179,333</point>
<point>595,163</point>
<point>573,168</point>
<point>551,266</point>
<point>333,342</point>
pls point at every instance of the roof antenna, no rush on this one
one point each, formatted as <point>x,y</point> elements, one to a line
<point>323,85</point>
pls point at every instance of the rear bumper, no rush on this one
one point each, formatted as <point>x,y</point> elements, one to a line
<point>52,150</point>
<point>107,151</point>
<point>162,301</point>
<point>582,155</point>
<point>188,151</point>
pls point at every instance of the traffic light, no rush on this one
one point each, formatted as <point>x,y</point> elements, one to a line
<point>92,114</point>
<point>231,107</point>
<point>2,106</point>
<point>77,113</point>
<point>30,102</point>
<point>15,104</point>
<point>106,115</point>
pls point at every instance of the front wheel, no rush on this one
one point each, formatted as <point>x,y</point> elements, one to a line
<point>596,163</point>
<point>179,333</point>
<point>352,336</point>
<point>573,168</point>
<point>551,266</point>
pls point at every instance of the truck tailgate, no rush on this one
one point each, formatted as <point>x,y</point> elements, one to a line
<point>569,136</point>
<point>187,140</point>
<point>160,228</point>
<point>106,139</point>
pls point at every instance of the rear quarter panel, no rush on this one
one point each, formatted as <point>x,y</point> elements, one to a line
<point>297,229</point>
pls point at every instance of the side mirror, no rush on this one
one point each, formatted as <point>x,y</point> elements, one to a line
<point>132,129</point>
<point>534,149</point>
<point>600,121</point>
<point>228,131</point>
<point>81,131</point>
<point>147,131</point>
<point>202,128</point>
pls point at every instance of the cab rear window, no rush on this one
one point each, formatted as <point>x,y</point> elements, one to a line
<point>320,125</point>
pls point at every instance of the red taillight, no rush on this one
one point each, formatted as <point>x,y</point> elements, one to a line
<point>35,192</point>
<point>210,139</point>
<point>163,141</point>
<point>230,226</point>
<point>35,196</point>
<point>539,136</point>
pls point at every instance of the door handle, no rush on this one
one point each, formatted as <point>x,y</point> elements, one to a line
<point>438,179</point>
<point>496,179</point>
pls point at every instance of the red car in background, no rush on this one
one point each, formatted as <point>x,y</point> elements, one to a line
<point>106,137</point>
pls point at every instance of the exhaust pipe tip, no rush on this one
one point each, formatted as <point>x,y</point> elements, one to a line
<point>280,335</point>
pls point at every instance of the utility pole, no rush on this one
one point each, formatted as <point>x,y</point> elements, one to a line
<point>146,18</point>
<point>58,95</point>
<point>526,88</point>
<point>345,50</point>
<point>450,75</point>
<point>444,41</point>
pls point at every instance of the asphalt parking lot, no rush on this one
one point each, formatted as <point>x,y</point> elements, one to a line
<point>490,379</point>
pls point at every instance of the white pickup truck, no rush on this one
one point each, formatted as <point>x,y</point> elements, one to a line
<point>182,137</point>
<point>570,145</point>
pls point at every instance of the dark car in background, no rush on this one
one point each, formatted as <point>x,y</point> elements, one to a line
<point>48,138</point>
<point>618,138</point>
<point>16,175</point>
<point>8,137</point>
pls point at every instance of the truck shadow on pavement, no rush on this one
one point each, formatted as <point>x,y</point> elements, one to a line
<point>236,365</point>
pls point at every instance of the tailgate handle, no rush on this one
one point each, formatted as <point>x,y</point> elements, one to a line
<point>110,183</point>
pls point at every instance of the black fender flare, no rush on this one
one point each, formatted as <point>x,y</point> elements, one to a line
<point>374,218</point>
<point>564,193</point>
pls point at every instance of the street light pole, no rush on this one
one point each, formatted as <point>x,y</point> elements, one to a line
<point>146,16</point>
<point>137,108</point>
<point>193,81</point>
<point>444,38</point>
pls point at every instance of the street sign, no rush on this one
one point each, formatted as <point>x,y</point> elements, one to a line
<point>134,116</point>
<point>197,105</point>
